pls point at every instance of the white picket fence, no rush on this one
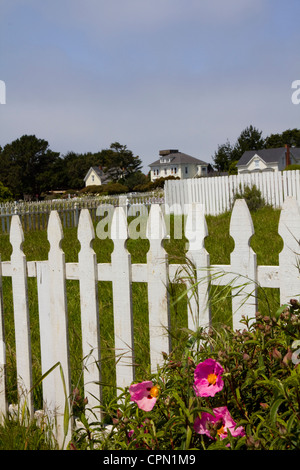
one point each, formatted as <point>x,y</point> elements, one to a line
<point>51,276</point>
<point>217,193</point>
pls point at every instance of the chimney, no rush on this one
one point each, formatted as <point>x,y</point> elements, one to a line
<point>167,152</point>
<point>287,155</point>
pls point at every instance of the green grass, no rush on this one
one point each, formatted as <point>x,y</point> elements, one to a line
<point>266,243</point>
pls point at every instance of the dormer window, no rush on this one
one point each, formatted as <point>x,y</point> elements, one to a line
<point>256,163</point>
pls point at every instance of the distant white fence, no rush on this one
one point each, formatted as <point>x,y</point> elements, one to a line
<point>35,215</point>
<point>51,276</point>
<point>217,193</point>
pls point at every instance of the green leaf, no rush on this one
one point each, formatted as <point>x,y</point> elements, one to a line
<point>280,310</point>
<point>274,409</point>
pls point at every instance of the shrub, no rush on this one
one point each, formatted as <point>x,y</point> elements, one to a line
<point>152,185</point>
<point>292,167</point>
<point>236,390</point>
<point>114,188</point>
<point>5,193</point>
<point>105,189</point>
<point>92,189</point>
<point>252,196</point>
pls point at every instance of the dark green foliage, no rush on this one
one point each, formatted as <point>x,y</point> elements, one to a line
<point>252,196</point>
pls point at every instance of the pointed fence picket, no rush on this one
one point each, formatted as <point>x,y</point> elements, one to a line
<point>243,274</point>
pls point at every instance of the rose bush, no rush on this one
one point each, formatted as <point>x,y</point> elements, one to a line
<point>225,390</point>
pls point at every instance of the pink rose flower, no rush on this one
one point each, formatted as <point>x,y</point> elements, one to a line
<point>217,425</point>
<point>144,394</point>
<point>207,378</point>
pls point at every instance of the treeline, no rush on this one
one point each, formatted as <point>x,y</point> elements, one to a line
<point>227,155</point>
<point>29,168</point>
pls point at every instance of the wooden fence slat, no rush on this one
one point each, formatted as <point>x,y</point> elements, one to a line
<point>88,283</point>
<point>21,315</point>
<point>48,358</point>
<point>196,231</point>
<point>122,299</point>
<point>289,230</point>
<point>158,298</point>
<point>59,318</point>
<point>3,395</point>
<point>243,265</point>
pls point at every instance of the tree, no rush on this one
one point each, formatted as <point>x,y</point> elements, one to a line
<point>26,165</point>
<point>290,137</point>
<point>120,162</point>
<point>227,156</point>
<point>223,157</point>
<point>249,139</point>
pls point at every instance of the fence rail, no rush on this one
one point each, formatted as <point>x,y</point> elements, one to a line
<point>217,193</point>
<point>51,276</point>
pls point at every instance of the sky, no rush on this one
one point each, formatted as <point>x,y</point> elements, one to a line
<point>152,75</point>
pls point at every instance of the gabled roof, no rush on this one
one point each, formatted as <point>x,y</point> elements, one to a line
<point>177,158</point>
<point>269,155</point>
<point>103,177</point>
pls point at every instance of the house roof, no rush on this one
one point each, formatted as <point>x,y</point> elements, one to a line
<point>269,155</point>
<point>103,177</point>
<point>177,158</point>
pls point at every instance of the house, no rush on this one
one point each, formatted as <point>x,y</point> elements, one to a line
<point>95,177</point>
<point>268,159</point>
<point>178,164</point>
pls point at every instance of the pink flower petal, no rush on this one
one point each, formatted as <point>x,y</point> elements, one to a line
<point>201,425</point>
<point>140,395</point>
<point>203,371</point>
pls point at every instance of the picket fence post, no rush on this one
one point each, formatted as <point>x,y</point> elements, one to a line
<point>89,307</point>
<point>158,297</point>
<point>3,398</point>
<point>122,299</point>
<point>289,259</point>
<point>243,264</point>
<point>48,358</point>
<point>21,316</point>
<point>199,314</point>
<point>59,326</point>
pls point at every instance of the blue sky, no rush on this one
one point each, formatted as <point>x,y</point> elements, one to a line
<point>185,74</point>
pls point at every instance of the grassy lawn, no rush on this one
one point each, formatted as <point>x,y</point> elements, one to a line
<point>266,243</point>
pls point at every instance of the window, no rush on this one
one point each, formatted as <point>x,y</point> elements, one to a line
<point>165,171</point>
<point>256,162</point>
<point>186,170</point>
<point>93,177</point>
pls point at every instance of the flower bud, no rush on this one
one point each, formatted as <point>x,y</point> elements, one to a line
<point>276,354</point>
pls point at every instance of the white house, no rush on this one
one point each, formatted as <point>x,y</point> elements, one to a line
<point>268,159</point>
<point>178,164</point>
<point>95,177</point>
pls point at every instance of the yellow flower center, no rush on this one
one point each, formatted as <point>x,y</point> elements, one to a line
<point>154,391</point>
<point>220,431</point>
<point>212,378</point>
